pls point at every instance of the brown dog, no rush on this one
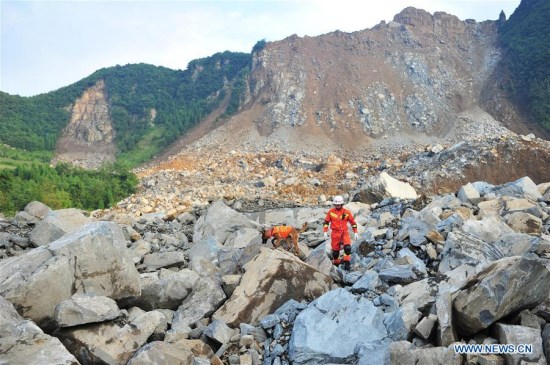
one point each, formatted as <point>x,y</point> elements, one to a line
<point>281,234</point>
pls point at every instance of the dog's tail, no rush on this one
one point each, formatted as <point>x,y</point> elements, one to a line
<point>304,227</point>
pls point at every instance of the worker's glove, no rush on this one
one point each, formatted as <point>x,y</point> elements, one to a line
<point>356,236</point>
<point>325,235</point>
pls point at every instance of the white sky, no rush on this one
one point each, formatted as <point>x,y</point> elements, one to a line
<point>46,45</point>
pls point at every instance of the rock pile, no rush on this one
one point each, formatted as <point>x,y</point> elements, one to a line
<point>465,268</point>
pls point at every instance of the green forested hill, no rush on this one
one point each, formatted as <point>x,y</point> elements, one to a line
<point>180,98</point>
<point>525,38</point>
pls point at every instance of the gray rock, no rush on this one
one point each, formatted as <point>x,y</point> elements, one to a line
<point>155,261</point>
<point>56,224</point>
<point>336,314</point>
<point>220,223</point>
<point>546,340</point>
<point>418,265</point>
<point>85,308</point>
<point>399,274</point>
<point>218,331</point>
<point>517,244</point>
<point>207,296</point>
<point>444,309</point>
<point>488,229</point>
<point>507,285</point>
<point>109,342</point>
<point>167,292</point>
<point>369,281</point>
<point>37,209</point>
<point>510,334</point>
<point>400,323</point>
<point>521,188</point>
<point>24,217</point>
<point>270,280</point>
<point>425,327</point>
<point>23,342</point>
<point>374,352</point>
<point>524,223</point>
<point>91,259</point>
<point>158,352</point>
<point>269,321</point>
<point>384,186</point>
<point>465,249</point>
<point>468,194</point>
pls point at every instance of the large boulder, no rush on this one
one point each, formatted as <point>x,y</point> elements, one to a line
<point>270,280</point>
<point>207,296</point>
<point>466,249</point>
<point>93,259</point>
<point>504,287</point>
<point>518,335</point>
<point>332,328</point>
<point>56,224</point>
<point>221,223</point>
<point>384,186</point>
<point>37,209</point>
<point>523,188</point>
<point>109,342</point>
<point>85,308</point>
<point>23,342</point>
<point>166,291</point>
<point>162,353</point>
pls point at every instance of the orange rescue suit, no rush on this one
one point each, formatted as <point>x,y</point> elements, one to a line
<point>338,220</point>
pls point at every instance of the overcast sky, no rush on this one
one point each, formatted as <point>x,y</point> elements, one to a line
<point>46,45</point>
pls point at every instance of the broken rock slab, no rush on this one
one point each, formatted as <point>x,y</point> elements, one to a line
<point>85,308</point>
<point>270,280</point>
<point>338,314</point>
<point>384,186</point>
<point>56,224</point>
<point>23,342</point>
<point>162,353</point>
<point>504,287</point>
<point>93,258</point>
<point>109,342</point>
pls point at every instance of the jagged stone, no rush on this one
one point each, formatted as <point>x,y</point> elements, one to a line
<point>23,342</point>
<point>92,259</point>
<point>425,327</point>
<point>154,261</point>
<point>167,292</point>
<point>158,352</point>
<point>37,209</point>
<point>516,335</point>
<point>56,224</point>
<point>218,331</point>
<point>270,280</point>
<point>85,308</point>
<point>522,188</point>
<point>220,223</point>
<point>206,298</point>
<point>384,186</point>
<point>468,194</point>
<point>525,223</point>
<point>507,285</point>
<point>109,342</point>
<point>337,314</point>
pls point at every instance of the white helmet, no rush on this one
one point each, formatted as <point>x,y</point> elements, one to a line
<point>338,200</point>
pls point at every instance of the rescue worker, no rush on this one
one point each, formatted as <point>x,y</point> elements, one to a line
<point>338,218</point>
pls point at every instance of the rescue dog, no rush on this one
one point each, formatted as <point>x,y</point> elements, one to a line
<point>283,234</point>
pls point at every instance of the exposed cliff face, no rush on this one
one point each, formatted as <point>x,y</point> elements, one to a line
<point>88,139</point>
<point>412,79</point>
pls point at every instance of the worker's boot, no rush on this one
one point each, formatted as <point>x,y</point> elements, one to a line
<point>346,265</point>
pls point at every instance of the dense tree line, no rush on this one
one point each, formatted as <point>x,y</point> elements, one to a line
<point>64,186</point>
<point>179,98</point>
<point>526,40</point>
